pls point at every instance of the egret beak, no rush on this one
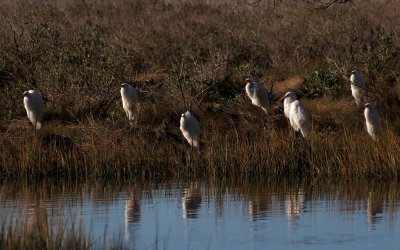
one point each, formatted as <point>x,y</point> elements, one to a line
<point>282,98</point>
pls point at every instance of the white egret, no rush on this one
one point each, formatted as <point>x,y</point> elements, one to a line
<point>299,118</point>
<point>129,97</point>
<point>34,107</point>
<point>258,94</point>
<point>357,87</point>
<point>296,113</point>
<point>288,99</point>
<point>373,121</point>
<point>190,129</point>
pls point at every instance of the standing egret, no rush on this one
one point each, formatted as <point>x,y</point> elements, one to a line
<point>357,87</point>
<point>299,118</point>
<point>296,113</point>
<point>190,129</point>
<point>373,121</point>
<point>34,107</point>
<point>288,99</point>
<point>129,97</point>
<point>258,94</point>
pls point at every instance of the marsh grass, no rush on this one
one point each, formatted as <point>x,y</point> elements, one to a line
<point>194,55</point>
<point>128,153</point>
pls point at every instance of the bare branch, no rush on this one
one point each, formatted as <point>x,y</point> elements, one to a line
<point>321,4</point>
<point>326,4</point>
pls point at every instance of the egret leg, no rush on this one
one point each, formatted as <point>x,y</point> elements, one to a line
<point>133,117</point>
<point>263,120</point>
<point>189,162</point>
<point>135,121</point>
<point>302,152</point>
<point>192,148</point>
<point>35,126</point>
<point>298,135</point>
<point>137,112</point>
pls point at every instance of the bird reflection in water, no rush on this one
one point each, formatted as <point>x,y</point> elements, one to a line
<point>294,203</point>
<point>191,202</point>
<point>132,212</point>
<point>257,209</point>
<point>36,220</point>
<point>259,206</point>
<point>374,208</point>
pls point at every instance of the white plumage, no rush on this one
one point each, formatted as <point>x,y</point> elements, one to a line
<point>299,118</point>
<point>373,121</point>
<point>357,87</point>
<point>34,107</point>
<point>258,94</point>
<point>190,129</point>
<point>296,113</point>
<point>288,99</point>
<point>129,97</point>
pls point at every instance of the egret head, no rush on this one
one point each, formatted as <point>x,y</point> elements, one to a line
<point>354,71</point>
<point>368,105</point>
<point>249,83</point>
<point>289,94</point>
<point>26,93</point>
<point>124,85</point>
<point>185,114</point>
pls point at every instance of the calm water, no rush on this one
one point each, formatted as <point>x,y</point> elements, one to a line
<point>217,215</point>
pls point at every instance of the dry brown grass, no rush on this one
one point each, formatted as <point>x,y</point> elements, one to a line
<point>139,152</point>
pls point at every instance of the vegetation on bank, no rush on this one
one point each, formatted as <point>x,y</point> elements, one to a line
<point>195,55</point>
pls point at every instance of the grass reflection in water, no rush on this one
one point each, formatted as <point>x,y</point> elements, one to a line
<point>56,215</point>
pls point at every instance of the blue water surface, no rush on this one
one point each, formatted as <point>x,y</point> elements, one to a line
<point>206,215</point>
